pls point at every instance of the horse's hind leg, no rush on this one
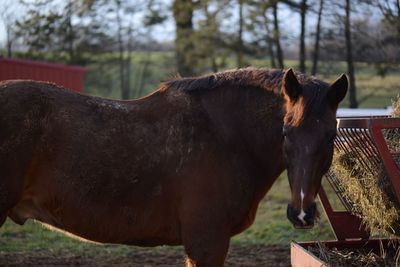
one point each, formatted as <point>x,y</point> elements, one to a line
<point>5,205</point>
<point>3,218</point>
<point>4,209</point>
<point>10,195</point>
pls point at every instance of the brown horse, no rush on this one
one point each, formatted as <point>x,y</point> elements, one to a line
<point>187,164</point>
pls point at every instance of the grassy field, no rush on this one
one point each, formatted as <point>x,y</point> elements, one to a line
<point>271,225</point>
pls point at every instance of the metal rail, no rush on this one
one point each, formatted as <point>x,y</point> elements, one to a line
<point>365,139</point>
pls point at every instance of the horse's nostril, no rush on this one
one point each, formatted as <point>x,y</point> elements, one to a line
<point>306,220</point>
<point>290,212</point>
<point>312,210</point>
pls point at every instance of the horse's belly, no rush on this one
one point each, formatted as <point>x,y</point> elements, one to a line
<point>121,226</point>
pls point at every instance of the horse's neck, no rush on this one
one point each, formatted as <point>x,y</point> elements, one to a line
<point>261,131</point>
<point>263,126</point>
<point>251,118</point>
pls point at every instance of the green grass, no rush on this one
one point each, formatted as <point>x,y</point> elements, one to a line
<point>377,92</point>
<point>33,236</point>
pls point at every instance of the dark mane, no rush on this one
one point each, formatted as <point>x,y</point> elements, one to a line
<point>267,79</point>
<point>249,77</point>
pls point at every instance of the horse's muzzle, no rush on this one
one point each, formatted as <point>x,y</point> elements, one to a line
<point>303,220</point>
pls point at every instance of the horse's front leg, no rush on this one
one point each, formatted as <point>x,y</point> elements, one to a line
<point>205,232</point>
<point>206,248</point>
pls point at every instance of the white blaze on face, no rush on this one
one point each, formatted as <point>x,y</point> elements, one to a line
<point>302,214</point>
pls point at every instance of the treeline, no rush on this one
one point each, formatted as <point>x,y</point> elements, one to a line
<point>210,33</point>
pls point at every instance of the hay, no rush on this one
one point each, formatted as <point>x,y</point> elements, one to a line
<point>368,195</point>
<point>365,187</point>
<point>361,257</point>
<point>396,107</point>
<point>392,136</point>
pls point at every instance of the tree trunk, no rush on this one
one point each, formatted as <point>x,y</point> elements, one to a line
<point>317,38</point>
<point>277,36</point>
<point>240,36</point>
<point>302,58</point>
<point>70,34</point>
<point>214,65</point>
<point>124,89</point>
<point>183,14</point>
<point>129,74</point>
<point>269,39</point>
<point>271,53</point>
<point>143,74</point>
<point>9,40</point>
<point>210,22</point>
<point>398,16</point>
<point>349,59</point>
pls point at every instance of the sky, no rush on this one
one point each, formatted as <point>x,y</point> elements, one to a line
<point>289,22</point>
<point>166,32</point>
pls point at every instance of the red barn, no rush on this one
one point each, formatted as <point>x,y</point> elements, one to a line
<point>71,77</point>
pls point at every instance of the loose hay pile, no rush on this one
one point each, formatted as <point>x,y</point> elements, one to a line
<point>362,183</point>
<point>387,256</point>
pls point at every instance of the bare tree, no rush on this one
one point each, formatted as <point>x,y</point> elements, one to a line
<point>70,33</point>
<point>213,47</point>
<point>391,11</point>
<point>277,34</point>
<point>183,14</point>
<point>211,31</point>
<point>240,36</point>
<point>269,38</point>
<point>120,42</point>
<point>349,57</point>
<point>260,27</point>
<point>317,39</point>
<point>125,12</point>
<point>9,20</point>
<point>302,57</point>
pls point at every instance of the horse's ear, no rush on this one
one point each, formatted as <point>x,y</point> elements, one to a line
<point>337,90</point>
<point>291,86</point>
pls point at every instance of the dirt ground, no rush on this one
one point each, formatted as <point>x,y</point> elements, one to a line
<point>239,255</point>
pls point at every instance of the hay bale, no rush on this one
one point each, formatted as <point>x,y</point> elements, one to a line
<point>365,187</point>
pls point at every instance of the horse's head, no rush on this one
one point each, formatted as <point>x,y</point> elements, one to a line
<point>308,133</point>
